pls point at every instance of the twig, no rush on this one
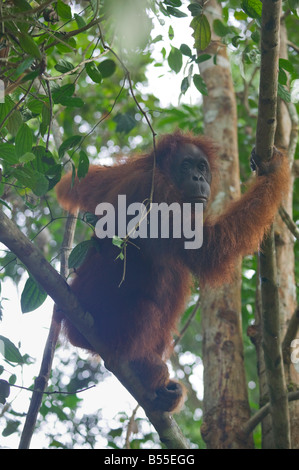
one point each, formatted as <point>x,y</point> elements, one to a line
<point>128,76</point>
<point>290,334</point>
<point>130,427</point>
<point>262,413</point>
<point>186,326</point>
<point>289,222</point>
<point>51,115</point>
<point>53,392</point>
<point>16,105</point>
<point>77,31</point>
<point>40,384</point>
<point>103,117</point>
<point>293,46</point>
<point>70,72</point>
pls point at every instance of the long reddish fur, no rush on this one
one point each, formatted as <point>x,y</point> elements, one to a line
<point>137,319</point>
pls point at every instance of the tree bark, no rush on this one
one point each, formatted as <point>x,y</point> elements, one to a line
<point>266,127</point>
<point>226,406</point>
<point>285,257</point>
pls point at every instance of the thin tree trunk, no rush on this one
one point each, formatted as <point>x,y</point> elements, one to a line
<point>266,127</point>
<point>285,252</point>
<point>284,242</point>
<point>226,406</point>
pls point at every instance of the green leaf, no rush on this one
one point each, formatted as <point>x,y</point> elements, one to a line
<point>40,184</point>
<point>69,143</point>
<point>15,120</point>
<point>294,4</point>
<point>195,9</point>
<point>4,391</point>
<point>8,153</point>
<point>175,12</point>
<point>29,45</point>
<point>61,92</point>
<point>157,39</point>
<point>6,107</point>
<point>67,45</point>
<point>32,179</point>
<point>93,72</point>
<point>27,157</point>
<point>24,65</point>
<point>11,427</point>
<point>5,204</point>
<point>125,123</point>
<point>54,175</point>
<point>283,93</point>
<point>286,65</point>
<point>252,8</point>
<point>220,28</point>
<point>185,50</point>
<point>91,219</point>
<point>64,10</point>
<point>79,253</point>
<point>240,15</point>
<point>23,140</point>
<point>200,84</point>
<point>184,85</point>
<point>46,118</point>
<point>10,351</point>
<point>22,5</point>
<point>282,76</point>
<point>117,241</point>
<point>72,101</point>
<point>170,32</point>
<point>202,58</point>
<point>30,76</point>
<point>63,66</point>
<point>107,68</point>
<point>255,36</point>
<point>12,379</point>
<point>173,3</point>
<point>83,165</point>
<point>202,32</point>
<point>33,296</point>
<point>35,106</point>
<point>24,176</point>
<point>79,20</point>
<point>44,159</point>
<point>175,59</point>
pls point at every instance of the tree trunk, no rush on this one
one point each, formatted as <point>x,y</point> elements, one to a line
<point>284,243</point>
<point>226,405</point>
<point>285,253</point>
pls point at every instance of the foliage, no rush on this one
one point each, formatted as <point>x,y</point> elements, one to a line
<point>77,90</point>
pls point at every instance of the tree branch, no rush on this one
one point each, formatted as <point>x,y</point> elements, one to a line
<point>266,126</point>
<point>291,332</point>
<point>41,382</point>
<point>262,413</point>
<point>289,222</point>
<point>63,296</point>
